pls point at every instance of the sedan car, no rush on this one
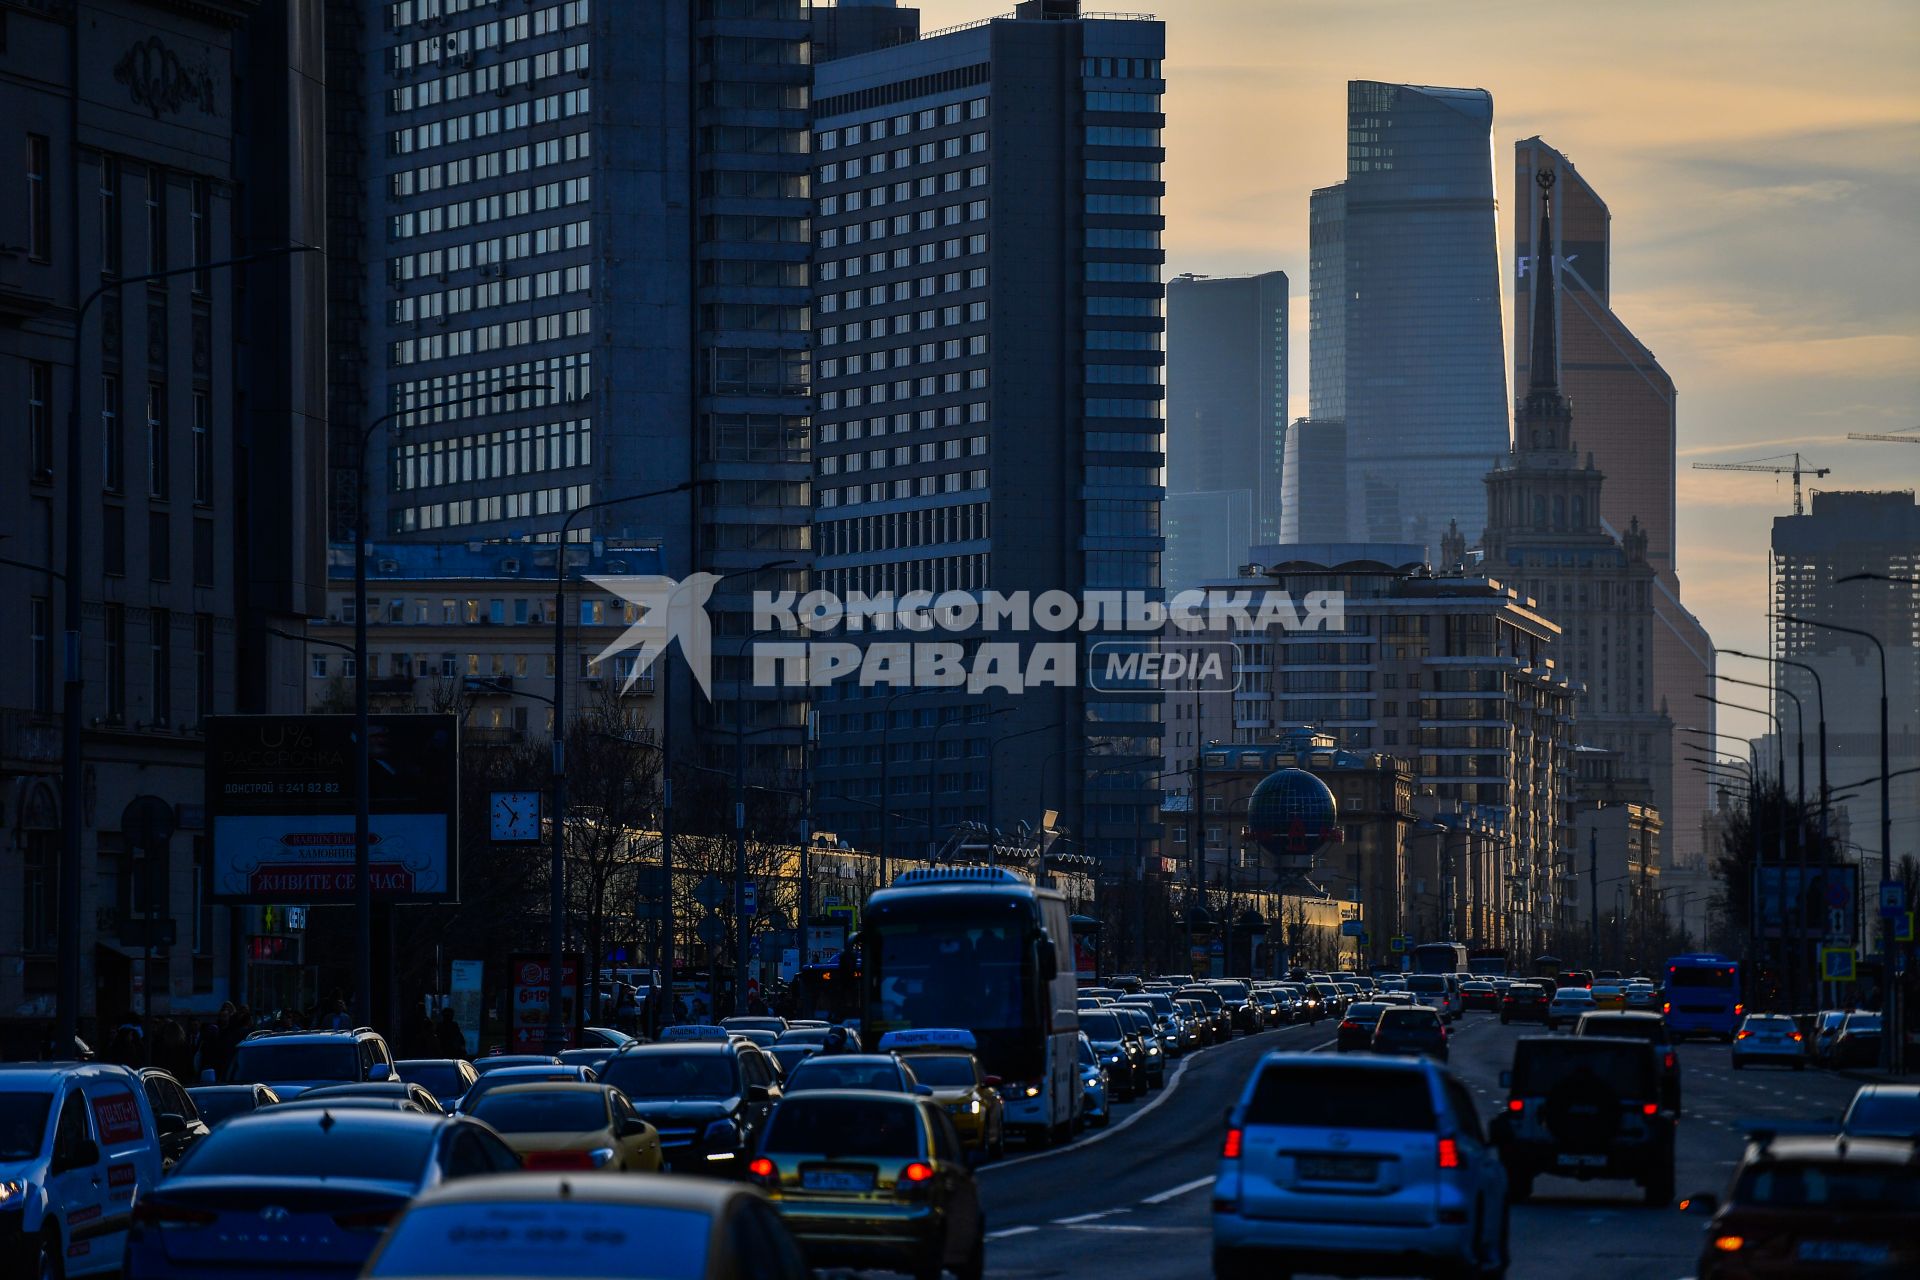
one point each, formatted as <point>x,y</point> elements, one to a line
<point>1123,1059</point>
<point>501,1061</point>
<point>1642,996</point>
<point>1480,995</point>
<point>332,1180</point>
<point>1524,1001</point>
<point>1769,1037</point>
<point>1609,993</point>
<point>881,1071</point>
<point>389,1090</point>
<point>1567,1005</point>
<point>867,1179</point>
<point>970,1097</point>
<point>1355,1032</point>
<point>571,1126</point>
<point>509,1227</point>
<point>447,1079</point>
<point>1858,1041</point>
<point>1410,1031</point>
<point>558,1073</point>
<point>217,1102</point>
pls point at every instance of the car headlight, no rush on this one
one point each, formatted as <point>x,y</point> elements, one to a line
<point>12,1189</point>
<point>720,1131</point>
<point>600,1156</point>
<point>1113,1060</point>
<point>973,1106</point>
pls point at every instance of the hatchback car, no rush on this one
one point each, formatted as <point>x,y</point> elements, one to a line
<point>867,1179</point>
<point>1410,1031</point>
<point>1567,1005</point>
<point>1356,1166</point>
<point>882,1071</point>
<point>571,1126</point>
<point>1769,1037</point>
<point>1858,1041</point>
<point>1355,1032</point>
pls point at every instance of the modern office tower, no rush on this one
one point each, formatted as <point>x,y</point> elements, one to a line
<point>1426,383</point>
<point>1207,534</point>
<point>197,499</point>
<point>1327,303</point>
<point>1627,419</point>
<point>1845,533</point>
<point>860,26</point>
<point>1313,498</point>
<point>989,317</point>
<point>606,206</point>
<point>1227,395</point>
<point>1544,536</point>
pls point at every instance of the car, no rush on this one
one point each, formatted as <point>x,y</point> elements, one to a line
<point>787,1056</point>
<point>757,1022</point>
<point>1574,978</point>
<point>1883,1111</point>
<point>886,1072</point>
<point>391,1090</point>
<point>1153,1051</point>
<point>179,1122</point>
<point>1585,1107</point>
<point>1332,999</point>
<point>1815,1206</point>
<point>867,1179</point>
<point>1769,1037</point>
<point>1609,993</point>
<point>559,1073</point>
<point>1524,1001</point>
<point>571,1126</point>
<point>757,1035</point>
<point>1238,998</point>
<point>1479,995</point>
<point>505,1227</point>
<point>943,1060</point>
<point>503,1061</point>
<point>1641,995</point>
<point>294,1061</point>
<point>1858,1042</point>
<point>816,1037</point>
<point>1355,1032</point>
<point>1095,1109</point>
<point>1122,1057</point>
<point>595,1058</point>
<point>1433,991</point>
<point>709,1099</point>
<point>1199,1021</point>
<point>1164,1016</point>
<point>1218,1015</point>
<point>1414,1031</point>
<point>1826,1029</point>
<point>78,1142</point>
<point>1358,1166</point>
<point>1651,1027</point>
<point>1567,1005</point>
<point>216,1102</point>
<point>603,1038</point>
<point>447,1079</point>
<point>331,1179</point>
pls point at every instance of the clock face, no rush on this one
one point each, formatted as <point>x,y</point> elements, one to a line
<point>514,815</point>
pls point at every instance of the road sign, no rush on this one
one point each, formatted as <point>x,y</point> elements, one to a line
<point>1397,943</point>
<point>710,892</point>
<point>651,893</point>
<point>1893,899</point>
<point>711,930</point>
<point>1352,928</point>
<point>1836,964</point>
<point>1365,937</point>
<point>1903,927</point>
<point>749,898</point>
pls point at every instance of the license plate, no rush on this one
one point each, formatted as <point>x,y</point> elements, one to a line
<point>1336,1169</point>
<point>837,1179</point>
<point>1840,1251</point>
<point>1570,1160</point>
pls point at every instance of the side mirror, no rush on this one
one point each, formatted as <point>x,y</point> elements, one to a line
<point>1506,1079</point>
<point>923,1090</point>
<point>633,1127</point>
<point>1700,1204</point>
<point>1049,958</point>
<point>758,1093</point>
<point>170,1125</point>
<point>379,1072</point>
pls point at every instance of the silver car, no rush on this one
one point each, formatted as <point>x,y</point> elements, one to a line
<point>1345,1166</point>
<point>1095,1109</point>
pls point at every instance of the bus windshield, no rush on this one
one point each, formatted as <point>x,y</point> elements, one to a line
<point>1440,957</point>
<point>1715,976</point>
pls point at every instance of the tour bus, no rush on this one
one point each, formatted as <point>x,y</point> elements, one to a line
<point>981,948</point>
<point>1487,962</point>
<point>1702,996</point>
<point>1440,957</point>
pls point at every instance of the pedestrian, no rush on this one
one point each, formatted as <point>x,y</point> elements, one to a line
<point>338,1019</point>
<point>452,1041</point>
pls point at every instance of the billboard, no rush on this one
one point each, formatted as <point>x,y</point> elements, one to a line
<point>1823,900</point>
<point>527,1026</point>
<point>280,805</point>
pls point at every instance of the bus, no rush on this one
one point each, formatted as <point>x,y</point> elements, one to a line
<point>1487,962</point>
<point>829,990</point>
<point>984,949</point>
<point>1440,957</point>
<point>1702,996</point>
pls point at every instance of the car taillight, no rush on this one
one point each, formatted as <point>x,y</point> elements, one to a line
<point>158,1213</point>
<point>1743,1035</point>
<point>1348,1024</point>
<point>1230,1149</point>
<point>1796,1037</point>
<point>1516,1104</point>
<point>917,1172</point>
<point>1670,1061</point>
<point>367,1219</point>
<point>1448,1153</point>
<point>1649,1108</point>
<point>543,1160</point>
<point>1739,1009</point>
<point>1729,1244</point>
<point>763,1171</point>
<point>1666,1007</point>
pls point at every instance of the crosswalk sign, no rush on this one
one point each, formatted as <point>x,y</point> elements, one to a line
<point>1836,964</point>
<point>1903,927</point>
<point>1397,942</point>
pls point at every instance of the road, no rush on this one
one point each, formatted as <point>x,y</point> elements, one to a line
<point>1130,1202</point>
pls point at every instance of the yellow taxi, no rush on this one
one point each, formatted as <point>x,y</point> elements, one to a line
<point>571,1126</point>
<point>1609,995</point>
<point>943,1060</point>
<point>869,1179</point>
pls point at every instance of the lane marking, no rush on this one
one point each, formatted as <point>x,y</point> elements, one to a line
<point>1176,1192</point>
<point>1009,1231</point>
<point>1079,1218</point>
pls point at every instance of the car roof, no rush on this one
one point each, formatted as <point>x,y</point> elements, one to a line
<point>1908,1092</point>
<point>534,1070</point>
<point>716,1047</point>
<point>545,1087</point>
<point>698,1194</point>
<point>1604,1016</point>
<point>1898,1151</point>
<point>428,1062</point>
<point>20,1076</point>
<point>341,1033</point>
<point>352,1118</point>
<point>861,1059</point>
<point>872,1097</point>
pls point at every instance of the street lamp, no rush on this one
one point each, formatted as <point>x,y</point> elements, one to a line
<point>1820,698</point>
<point>72,764</point>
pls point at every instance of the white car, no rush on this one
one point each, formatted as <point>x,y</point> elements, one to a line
<point>1567,1005</point>
<point>1769,1037</point>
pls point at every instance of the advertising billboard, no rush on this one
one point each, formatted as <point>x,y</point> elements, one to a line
<point>527,1028</point>
<point>280,801</point>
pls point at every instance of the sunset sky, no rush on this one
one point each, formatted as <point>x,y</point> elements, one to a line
<point>1762,161</point>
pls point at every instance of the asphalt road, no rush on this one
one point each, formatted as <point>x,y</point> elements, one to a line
<point>1130,1202</point>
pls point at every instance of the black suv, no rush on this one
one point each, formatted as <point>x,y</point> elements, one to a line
<point>1651,1027</point>
<point>295,1061</point>
<point>708,1098</point>
<point>1586,1107</point>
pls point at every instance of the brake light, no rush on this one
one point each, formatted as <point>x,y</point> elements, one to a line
<point>158,1213</point>
<point>1670,1061</point>
<point>1666,1006</point>
<point>366,1219</point>
<point>1649,1108</point>
<point>917,1172</point>
<point>558,1160</point>
<point>763,1170</point>
<point>1448,1153</point>
<point>1737,1011</point>
<point>1348,1024</point>
<point>1516,1104</point>
<point>1796,1037</point>
<point>1230,1149</point>
<point>1729,1244</point>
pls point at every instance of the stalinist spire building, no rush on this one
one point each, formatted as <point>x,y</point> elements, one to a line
<point>1544,536</point>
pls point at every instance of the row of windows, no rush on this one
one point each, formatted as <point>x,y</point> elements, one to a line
<point>927,419</point>
<point>1125,340</point>
<point>929,526</point>
<point>1135,374</point>
<point>1122,100</point>
<point>904,290</point>
<point>926,253</point>
<point>501,79</point>
<point>1116,135</point>
<point>115,652</point>
<point>1120,69</point>
<point>877,228</point>
<point>489,164</point>
<point>1123,272</point>
<point>484,123</point>
<point>857,330</point>
<point>485,35</point>
<point>1123,170</point>
<point>515,451</point>
<point>490,208</point>
<point>1122,238</point>
<point>488,254</point>
<point>899,126</point>
<point>560,379</point>
<point>516,289</point>
<point>113,449</point>
<point>1099,304</point>
<point>880,392</point>
<point>902,357</point>
<point>1124,441</point>
<point>1145,206</point>
<point>507,506</point>
<point>924,220</point>
<point>905,455</point>
<point>901,157</point>
<point>941,573</point>
<point>917,486</point>
<point>903,91</point>
<point>493,337</point>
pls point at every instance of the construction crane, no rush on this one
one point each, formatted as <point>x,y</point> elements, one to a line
<point>1774,465</point>
<point>1887,438</point>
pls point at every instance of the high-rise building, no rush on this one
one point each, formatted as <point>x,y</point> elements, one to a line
<point>1207,534</point>
<point>989,318</point>
<point>607,207</point>
<point>1425,377</point>
<point>1313,498</point>
<point>200,491</point>
<point>843,29</point>
<point>1627,421</point>
<point>1327,303</point>
<point>1227,396</point>
<point>1846,533</point>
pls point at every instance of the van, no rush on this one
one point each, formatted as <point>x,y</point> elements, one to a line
<point>78,1142</point>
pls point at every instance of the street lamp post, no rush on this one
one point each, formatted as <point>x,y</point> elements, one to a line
<point>73,768</point>
<point>1794,925</point>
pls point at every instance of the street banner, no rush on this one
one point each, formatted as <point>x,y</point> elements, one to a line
<point>527,1029</point>
<point>466,994</point>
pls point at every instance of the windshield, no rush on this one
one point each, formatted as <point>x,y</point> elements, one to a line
<point>1236,991</point>
<point>597,1240</point>
<point>1847,1187</point>
<point>265,1062</point>
<point>1338,1097</point>
<point>1101,1025</point>
<point>844,1127</point>
<point>562,1111</point>
<point>1717,977</point>
<point>1427,984</point>
<point>217,1102</point>
<point>23,1122</point>
<point>1542,1065</point>
<point>672,1075</point>
<point>241,1148</point>
<point>1397,1019</point>
<point>952,973</point>
<point>827,1073</point>
<point>1896,1115</point>
<point>1598,1024</point>
<point>441,1079</point>
<point>943,1072</point>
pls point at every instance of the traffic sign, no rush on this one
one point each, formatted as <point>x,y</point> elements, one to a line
<point>1903,927</point>
<point>1398,942</point>
<point>710,892</point>
<point>1836,964</point>
<point>750,898</point>
<point>1893,899</point>
<point>711,930</point>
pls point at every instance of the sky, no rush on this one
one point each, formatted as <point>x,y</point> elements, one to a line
<point>1761,159</point>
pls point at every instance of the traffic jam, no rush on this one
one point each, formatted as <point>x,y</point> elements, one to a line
<point>972,1106</point>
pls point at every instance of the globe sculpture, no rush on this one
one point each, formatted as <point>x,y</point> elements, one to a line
<point>1292,815</point>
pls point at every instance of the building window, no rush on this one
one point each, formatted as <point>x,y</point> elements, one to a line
<point>203,553</point>
<point>156,219</point>
<point>113,539</point>
<point>113,454</point>
<point>202,217</point>
<point>317,665</point>
<point>109,216</point>
<point>157,478</point>
<point>202,666</point>
<point>161,655</point>
<point>116,627</point>
<point>40,418</point>
<point>40,889</point>
<point>39,200</point>
<point>202,447</point>
<point>159,546</point>
<point>40,657</point>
